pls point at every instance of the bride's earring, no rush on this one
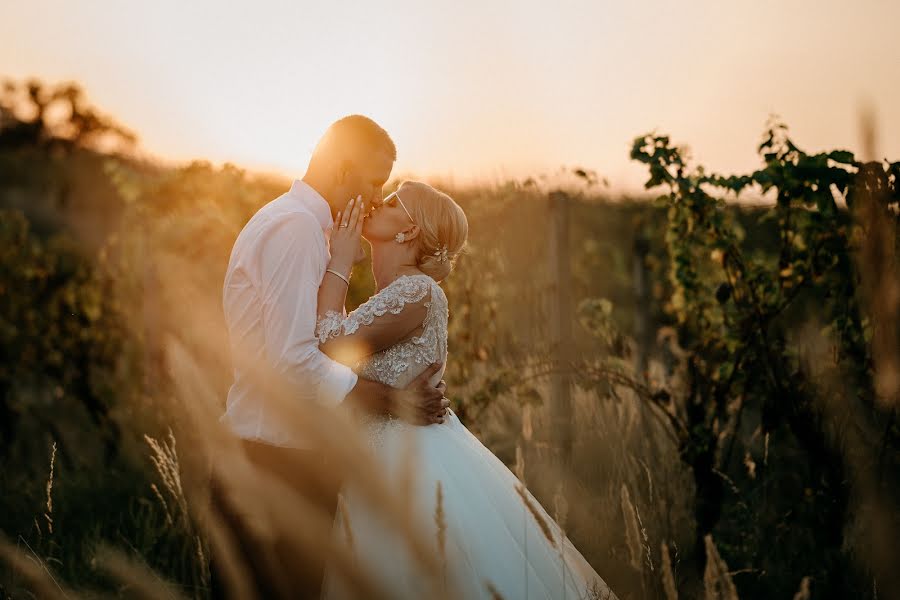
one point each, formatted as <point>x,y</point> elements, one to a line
<point>400,237</point>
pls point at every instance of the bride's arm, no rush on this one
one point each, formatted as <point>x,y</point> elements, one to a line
<point>332,293</point>
<point>344,245</point>
<point>391,316</point>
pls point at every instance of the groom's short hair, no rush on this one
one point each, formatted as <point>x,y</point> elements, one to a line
<point>351,139</point>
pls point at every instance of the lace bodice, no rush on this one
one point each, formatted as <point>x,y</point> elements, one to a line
<point>401,363</point>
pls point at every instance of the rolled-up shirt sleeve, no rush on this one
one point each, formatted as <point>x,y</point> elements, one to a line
<point>292,259</point>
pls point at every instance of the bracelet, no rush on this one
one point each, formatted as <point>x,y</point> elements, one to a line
<point>333,272</point>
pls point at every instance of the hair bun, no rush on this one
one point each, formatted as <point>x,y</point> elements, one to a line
<point>443,226</point>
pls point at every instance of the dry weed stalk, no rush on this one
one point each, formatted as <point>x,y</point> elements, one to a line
<point>561,514</point>
<point>804,592</point>
<point>527,427</point>
<point>646,541</point>
<point>37,575</point>
<point>235,572</point>
<point>139,580</point>
<point>535,512</point>
<point>495,594</point>
<point>49,514</point>
<point>668,574</point>
<point>440,522</point>
<point>345,522</point>
<point>632,529</point>
<point>717,583</point>
<point>519,467</point>
<point>165,459</point>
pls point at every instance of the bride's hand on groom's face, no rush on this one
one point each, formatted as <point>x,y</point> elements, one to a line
<point>421,403</point>
<point>345,234</point>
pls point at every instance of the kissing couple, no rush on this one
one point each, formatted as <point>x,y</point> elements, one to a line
<point>284,295</point>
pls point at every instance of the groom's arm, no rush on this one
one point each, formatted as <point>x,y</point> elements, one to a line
<point>291,257</point>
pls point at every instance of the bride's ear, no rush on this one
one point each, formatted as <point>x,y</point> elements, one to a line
<point>412,232</point>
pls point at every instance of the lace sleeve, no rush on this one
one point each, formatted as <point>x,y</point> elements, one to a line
<point>383,320</point>
<point>329,326</point>
<point>391,300</point>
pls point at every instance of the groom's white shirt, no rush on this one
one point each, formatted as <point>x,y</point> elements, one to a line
<point>269,298</point>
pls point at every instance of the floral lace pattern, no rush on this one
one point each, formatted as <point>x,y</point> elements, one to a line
<point>404,290</point>
<point>390,365</point>
<point>328,325</point>
<point>401,363</point>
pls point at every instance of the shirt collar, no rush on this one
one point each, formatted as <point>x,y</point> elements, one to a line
<point>314,201</point>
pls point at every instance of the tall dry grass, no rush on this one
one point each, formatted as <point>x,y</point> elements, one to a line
<point>624,498</point>
<point>615,444</point>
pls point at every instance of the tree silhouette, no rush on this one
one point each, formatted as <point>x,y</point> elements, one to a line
<point>36,114</point>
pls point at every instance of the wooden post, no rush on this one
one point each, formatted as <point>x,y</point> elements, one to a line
<point>642,303</point>
<point>561,319</point>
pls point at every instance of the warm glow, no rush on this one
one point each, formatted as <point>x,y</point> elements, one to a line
<point>471,89</point>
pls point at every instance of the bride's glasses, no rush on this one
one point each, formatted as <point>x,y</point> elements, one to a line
<point>392,199</point>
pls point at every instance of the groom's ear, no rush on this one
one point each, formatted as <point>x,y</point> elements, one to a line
<point>342,173</point>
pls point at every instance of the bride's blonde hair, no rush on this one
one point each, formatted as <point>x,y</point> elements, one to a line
<point>442,224</point>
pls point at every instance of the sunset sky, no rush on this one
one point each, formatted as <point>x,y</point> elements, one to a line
<point>471,89</point>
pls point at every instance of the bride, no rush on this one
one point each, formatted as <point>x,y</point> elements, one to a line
<point>490,535</point>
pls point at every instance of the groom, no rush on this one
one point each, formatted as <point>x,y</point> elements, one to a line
<point>269,297</point>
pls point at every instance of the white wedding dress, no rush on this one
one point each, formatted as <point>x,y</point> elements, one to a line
<point>491,544</point>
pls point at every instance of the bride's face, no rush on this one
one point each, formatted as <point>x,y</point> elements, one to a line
<point>387,219</point>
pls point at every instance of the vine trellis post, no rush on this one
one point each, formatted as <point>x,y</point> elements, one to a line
<point>562,318</point>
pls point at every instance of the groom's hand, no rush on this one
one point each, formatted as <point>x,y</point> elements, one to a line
<point>421,403</point>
